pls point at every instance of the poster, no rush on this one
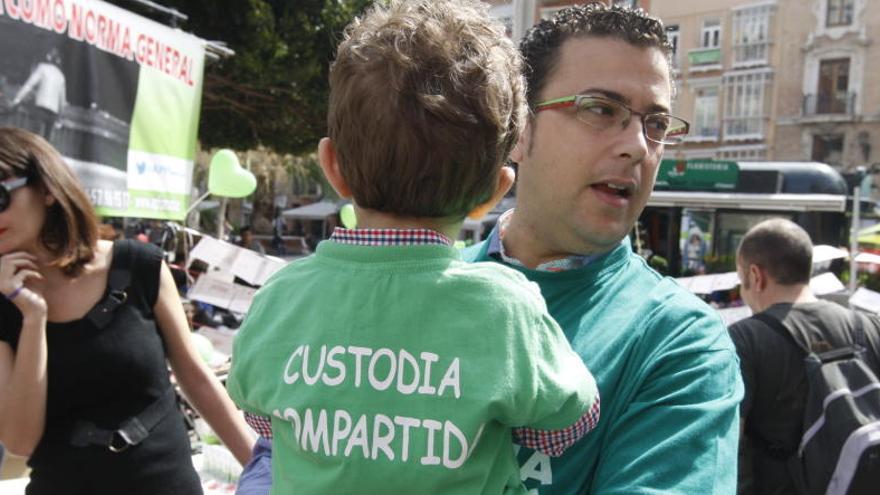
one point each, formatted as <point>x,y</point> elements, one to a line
<point>117,94</point>
<point>695,240</point>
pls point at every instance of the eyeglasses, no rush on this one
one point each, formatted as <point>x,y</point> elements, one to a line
<point>6,188</point>
<point>603,113</point>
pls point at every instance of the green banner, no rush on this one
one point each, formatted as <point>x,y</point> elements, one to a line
<point>117,94</point>
<point>697,175</point>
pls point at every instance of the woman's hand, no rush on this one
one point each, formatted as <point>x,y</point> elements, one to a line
<point>19,278</point>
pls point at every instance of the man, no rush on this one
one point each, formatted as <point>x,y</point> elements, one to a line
<point>247,241</point>
<point>599,88</point>
<point>774,262</point>
<point>49,86</point>
<point>278,230</point>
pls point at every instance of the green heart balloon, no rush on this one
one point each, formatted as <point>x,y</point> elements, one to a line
<point>226,177</point>
<point>346,214</point>
<point>203,346</point>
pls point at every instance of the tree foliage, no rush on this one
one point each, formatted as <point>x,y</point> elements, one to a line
<point>273,92</point>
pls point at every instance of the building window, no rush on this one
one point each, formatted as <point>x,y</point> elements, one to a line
<point>840,13</point>
<point>743,153</point>
<point>672,37</point>
<point>751,34</point>
<point>828,149</point>
<point>745,106</point>
<point>832,95</point>
<point>706,113</point>
<point>710,36</point>
<point>504,13</point>
<point>547,13</point>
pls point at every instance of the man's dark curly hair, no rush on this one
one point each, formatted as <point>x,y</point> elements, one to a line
<point>541,45</point>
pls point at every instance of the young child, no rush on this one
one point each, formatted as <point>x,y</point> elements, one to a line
<point>386,364</point>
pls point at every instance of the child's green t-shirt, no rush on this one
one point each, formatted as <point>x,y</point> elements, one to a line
<point>402,369</point>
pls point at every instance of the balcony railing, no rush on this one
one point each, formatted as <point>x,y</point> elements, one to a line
<point>704,56</point>
<point>704,133</point>
<point>737,128</point>
<point>751,54</point>
<point>830,104</point>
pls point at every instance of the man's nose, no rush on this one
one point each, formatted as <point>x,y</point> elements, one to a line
<point>633,143</point>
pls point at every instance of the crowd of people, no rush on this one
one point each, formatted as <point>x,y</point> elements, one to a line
<point>548,358</point>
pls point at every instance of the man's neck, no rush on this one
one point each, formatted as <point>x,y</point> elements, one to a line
<point>790,294</point>
<point>372,219</point>
<point>525,241</point>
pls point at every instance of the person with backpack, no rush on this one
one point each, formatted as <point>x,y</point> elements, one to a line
<point>811,412</point>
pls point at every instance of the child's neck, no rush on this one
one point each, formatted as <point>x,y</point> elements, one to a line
<point>372,219</point>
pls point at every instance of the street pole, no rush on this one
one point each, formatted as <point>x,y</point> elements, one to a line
<point>221,221</point>
<point>854,230</point>
<point>523,17</point>
<point>854,241</point>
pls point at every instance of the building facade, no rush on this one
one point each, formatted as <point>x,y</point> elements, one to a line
<point>766,80</point>
<point>777,80</point>
<point>534,10</point>
<point>829,101</point>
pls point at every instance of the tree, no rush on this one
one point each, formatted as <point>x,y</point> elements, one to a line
<point>273,92</point>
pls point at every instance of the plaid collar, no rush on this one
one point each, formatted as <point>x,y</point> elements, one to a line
<point>496,250</point>
<point>389,237</point>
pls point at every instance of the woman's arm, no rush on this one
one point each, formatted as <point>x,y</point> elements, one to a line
<point>23,381</point>
<point>201,387</point>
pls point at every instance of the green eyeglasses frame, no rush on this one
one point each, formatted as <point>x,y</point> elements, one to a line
<point>674,133</point>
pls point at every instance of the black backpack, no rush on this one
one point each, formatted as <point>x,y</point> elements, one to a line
<point>839,452</point>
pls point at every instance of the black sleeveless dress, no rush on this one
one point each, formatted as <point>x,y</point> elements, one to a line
<point>106,376</point>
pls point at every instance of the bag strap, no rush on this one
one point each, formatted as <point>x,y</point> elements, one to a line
<point>131,432</point>
<point>771,449</point>
<point>780,328</point>
<point>118,282</point>
<point>859,337</point>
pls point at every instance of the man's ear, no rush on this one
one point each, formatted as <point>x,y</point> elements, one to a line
<point>330,167</point>
<point>506,177</point>
<point>521,149</point>
<point>758,276</point>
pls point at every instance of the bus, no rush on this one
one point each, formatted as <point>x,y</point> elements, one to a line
<point>700,209</point>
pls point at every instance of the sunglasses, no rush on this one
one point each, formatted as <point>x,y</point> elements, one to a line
<point>6,188</point>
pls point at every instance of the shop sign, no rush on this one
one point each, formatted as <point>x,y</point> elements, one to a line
<point>697,175</point>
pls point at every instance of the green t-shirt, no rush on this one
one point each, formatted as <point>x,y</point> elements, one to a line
<point>402,369</point>
<point>669,379</point>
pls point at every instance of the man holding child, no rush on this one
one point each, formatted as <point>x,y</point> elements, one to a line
<point>600,94</point>
<point>386,363</point>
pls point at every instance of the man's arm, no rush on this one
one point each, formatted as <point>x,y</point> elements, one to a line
<point>679,434</point>
<point>28,86</point>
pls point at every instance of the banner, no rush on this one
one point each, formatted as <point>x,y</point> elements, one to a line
<point>707,175</point>
<point>117,94</point>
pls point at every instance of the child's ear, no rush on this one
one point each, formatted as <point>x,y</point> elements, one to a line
<point>330,167</point>
<point>506,176</point>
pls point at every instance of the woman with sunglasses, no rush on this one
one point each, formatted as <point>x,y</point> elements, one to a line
<point>86,327</point>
